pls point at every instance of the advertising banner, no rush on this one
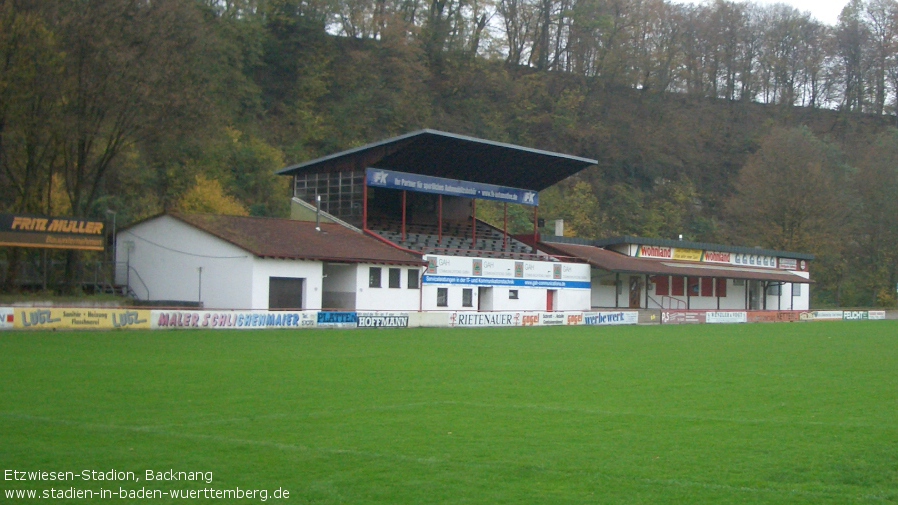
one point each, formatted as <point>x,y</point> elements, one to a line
<point>682,317</point>
<point>818,315</point>
<point>787,264</point>
<point>726,317</point>
<point>21,230</point>
<point>754,260</point>
<point>486,319</point>
<point>79,319</point>
<point>453,270</point>
<point>231,319</point>
<point>855,315</point>
<point>392,179</point>
<point>687,254</point>
<point>338,319</point>
<point>552,319</point>
<point>382,320</point>
<point>7,318</point>
<point>610,318</point>
<point>877,314</point>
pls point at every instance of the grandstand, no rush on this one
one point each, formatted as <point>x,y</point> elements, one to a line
<point>419,192</point>
<point>420,216</point>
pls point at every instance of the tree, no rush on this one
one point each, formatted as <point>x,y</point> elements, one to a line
<point>876,185</point>
<point>207,196</point>
<point>789,197</point>
<point>88,80</point>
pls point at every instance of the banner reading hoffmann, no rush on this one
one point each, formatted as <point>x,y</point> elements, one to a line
<point>22,230</point>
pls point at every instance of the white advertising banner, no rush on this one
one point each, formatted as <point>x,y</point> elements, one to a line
<point>7,318</point>
<point>825,314</point>
<point>726,317</point>
<point>610,318</point>
<point>383,320</point>
<point>231,319</point>
<point>486,319</point>
<point>454,270</point>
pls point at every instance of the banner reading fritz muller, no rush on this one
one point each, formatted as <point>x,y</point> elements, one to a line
<point>22,230</point>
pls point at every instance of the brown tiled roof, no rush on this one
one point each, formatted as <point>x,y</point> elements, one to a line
<point>290,239</point>
<point>613,261</point>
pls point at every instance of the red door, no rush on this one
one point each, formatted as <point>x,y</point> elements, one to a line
<point>550,300</point>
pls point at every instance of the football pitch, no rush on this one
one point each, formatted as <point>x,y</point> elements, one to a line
<point>716,414</point>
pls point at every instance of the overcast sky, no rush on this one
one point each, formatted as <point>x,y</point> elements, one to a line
<point>826,11</point>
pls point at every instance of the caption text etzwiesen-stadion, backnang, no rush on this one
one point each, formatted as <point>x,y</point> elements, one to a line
<point>117,492</point>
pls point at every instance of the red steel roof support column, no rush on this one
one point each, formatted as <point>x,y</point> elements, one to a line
<point>505,226</point>
<point>474,223</point>
<point>365,205</point>
<point>535,227</point>
<point>403,215</point>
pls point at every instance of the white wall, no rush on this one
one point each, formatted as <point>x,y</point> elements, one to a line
<point>801,301</point>
<point>735,298</point>
<point>310,271</point>
<point>529,299</point>
<point>573,299</point>
<point>339,286</point>
<point>385,297</point>
<point>165,254</point>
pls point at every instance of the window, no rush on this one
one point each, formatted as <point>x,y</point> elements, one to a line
<point>721,288</point>
<point>395,275</point>
<point>284,293</point>
<point>739,282</point>
<point>374,277</point>
<point>707,286</point>
<point>413,278</point>
<point>676,286</point>
<point>692,286</point>
<point>512,294</point>
<point>442,297</point>
<point>467,297</point>
<point>340,192</point>
<point>661,285</point>
<point>775,289</point>
<point>796,289</point>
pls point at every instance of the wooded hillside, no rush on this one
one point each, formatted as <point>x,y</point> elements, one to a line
<point>726,123</point>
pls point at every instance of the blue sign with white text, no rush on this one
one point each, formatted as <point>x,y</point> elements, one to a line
<point>392,179</point>
<point>522,283</point>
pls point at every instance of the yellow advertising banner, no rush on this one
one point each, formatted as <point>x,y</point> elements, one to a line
<point>687,254</point>
<point>51,232</point>
<point>34,318</point>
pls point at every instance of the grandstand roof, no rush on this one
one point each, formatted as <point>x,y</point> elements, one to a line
<point>289,239</point>
<point>452,156</point>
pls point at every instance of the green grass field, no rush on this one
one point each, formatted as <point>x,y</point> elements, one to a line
<point>762,413</point>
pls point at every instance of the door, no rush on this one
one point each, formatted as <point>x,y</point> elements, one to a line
<point>484,298</point>
<point>754,295</point>
<point>550,299</point>
<point>635,292</point>
<point>285,293</point>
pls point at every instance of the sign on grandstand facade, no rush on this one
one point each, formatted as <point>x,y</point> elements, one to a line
<point>719,257</point>
<point>22,230</point>
<point>453,270</point>
<point>392,179</point>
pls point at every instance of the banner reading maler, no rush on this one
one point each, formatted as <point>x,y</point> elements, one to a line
<point>22,230</point>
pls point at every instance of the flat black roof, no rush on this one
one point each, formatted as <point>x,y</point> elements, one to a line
<point>452,156</point>
<point>660,242</point>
